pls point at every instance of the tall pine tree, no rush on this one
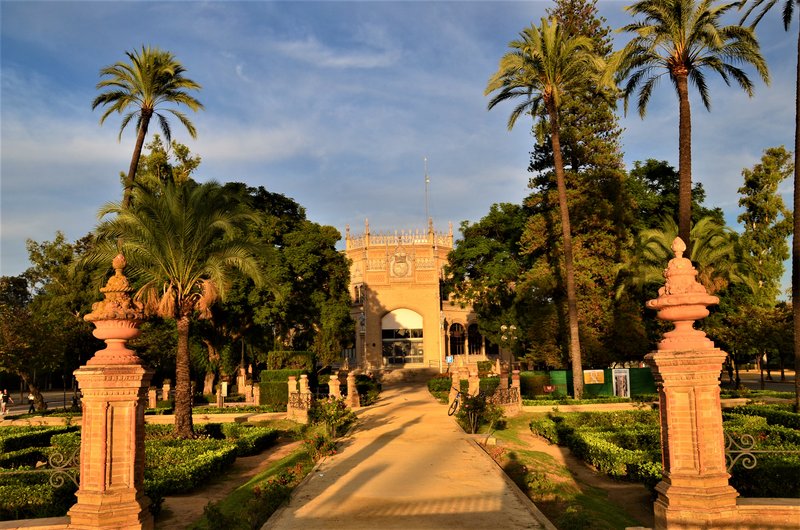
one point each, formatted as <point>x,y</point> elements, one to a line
<point>611,329</point>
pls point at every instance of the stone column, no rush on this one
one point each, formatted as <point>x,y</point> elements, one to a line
<point>292,400</point>
<point>165,390</point>
<point>474,381</point>
<point>515,384</point>
<point>114,385</point>
<point>256,394</point>
<point>694,492</point>
<point>152,402</point>
<point>334,385</point>
<point>352,392</point>
<point>455,386</point>
<point>304,400</point>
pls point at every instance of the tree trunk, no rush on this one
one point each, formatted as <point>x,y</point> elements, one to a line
<point>796,237</point>
<point>684,163</point>
<point>738,383</point>
<point>213,360</point>
<point>569,272</point>
<point>137,153</point>
<point>183,397</point>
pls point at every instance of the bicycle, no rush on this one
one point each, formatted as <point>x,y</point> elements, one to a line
<point>454,405</point>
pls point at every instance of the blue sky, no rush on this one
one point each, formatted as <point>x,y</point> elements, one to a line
<point>334,104</point>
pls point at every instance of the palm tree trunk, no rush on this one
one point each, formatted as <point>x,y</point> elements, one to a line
<point>569,271</point>
<point>137,153</point>
<point>684,163</point>
<point>183,398</point>
<point>796,236</point>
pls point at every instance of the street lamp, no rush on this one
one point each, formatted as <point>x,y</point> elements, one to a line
<point>509,337</point>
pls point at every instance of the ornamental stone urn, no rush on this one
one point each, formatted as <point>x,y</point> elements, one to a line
<point>116,319</point>
<point>682,300</point>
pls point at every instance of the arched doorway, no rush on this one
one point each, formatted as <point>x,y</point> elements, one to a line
<point>401,333</point>
<point>457,336</point>
<point>475,340</point>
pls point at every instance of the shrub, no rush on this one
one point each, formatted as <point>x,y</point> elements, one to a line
<point>273,387</point>
<point>22,458</point>
<point>249,439</point>
<point>368,389</point>
<point>440,383</point>
<point>319,446</point>
<point>296,360</point>
<point>333,413</point>
<point>485,367</point>
<point>177,466</point>
<point>475,411</point>
<point>16,438</point>
<point>35,498</point>
<point>774,414</point>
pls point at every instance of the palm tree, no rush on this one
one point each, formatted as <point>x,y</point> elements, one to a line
<point>715,253</point>
<point>182,244</point>
<point>683,39</point>
<point>152,78</point>
<point>788,12</point>
<point>544,64</point>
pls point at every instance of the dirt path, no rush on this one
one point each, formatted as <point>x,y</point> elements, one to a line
<point>632,497</point>
<point>407,465</point>
<point>180,511</point>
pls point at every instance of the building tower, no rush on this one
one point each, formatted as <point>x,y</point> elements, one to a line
<point>401,320</point>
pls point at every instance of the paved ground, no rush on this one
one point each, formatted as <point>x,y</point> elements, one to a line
<point>407,465</point>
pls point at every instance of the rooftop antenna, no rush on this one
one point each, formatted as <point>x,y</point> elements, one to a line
<point>427,181</point>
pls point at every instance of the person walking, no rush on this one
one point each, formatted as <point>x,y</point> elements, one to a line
<point>31,400</point>
<point>5,399</point>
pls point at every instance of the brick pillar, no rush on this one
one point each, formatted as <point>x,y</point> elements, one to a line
<point>694,492</point>
<point>503,379</point>
<point>515,384</point>
<point>114,385</point>
<point>455,386</point>
<point>334,385</point>
<point>474,381</point>
<point>352,393</point>
<point>292,400</point>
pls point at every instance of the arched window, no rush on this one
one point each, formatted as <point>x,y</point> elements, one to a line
<point>457,336</point>
<point>401,332</point>
<point>475,340</point>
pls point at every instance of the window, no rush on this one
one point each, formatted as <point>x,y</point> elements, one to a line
<point>475,340</point>
<point>457,336</point>
<point>401,334</point>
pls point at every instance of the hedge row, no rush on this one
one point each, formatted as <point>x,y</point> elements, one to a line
<point>16,438</point>
<point>774,414</point>
<point>625,444</point>
<point>177,466</point>
<point>28,500</point>
<point>22,458</point>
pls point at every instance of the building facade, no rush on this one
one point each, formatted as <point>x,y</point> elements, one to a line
<point>401,319</point>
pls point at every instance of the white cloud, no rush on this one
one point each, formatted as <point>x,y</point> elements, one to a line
<point>311,51</point>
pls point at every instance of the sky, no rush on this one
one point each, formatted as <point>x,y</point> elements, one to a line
<point>333,104</point>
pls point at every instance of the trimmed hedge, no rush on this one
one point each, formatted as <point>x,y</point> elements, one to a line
<point>249,439</point>
<point>274,388</point>
<point>440,383</point>
<point>16,438</point>
<point>774,414</point>
<point>22,458</point>
<point>178,466</point>
<point>30,498</point>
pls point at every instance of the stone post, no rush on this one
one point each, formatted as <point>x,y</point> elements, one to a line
<point>455,386</point>
<point>152,401</point>
<point>241,380</point>
<point>516,384</point>
<point>114,385</point>
<point>474,381</point>
<point>248,394</point>
<point>503,379</point>
<point>165,390</point>
<point>256,394</point>
<point>220,397</point>
<point>352,392</point>
<point>694,492</point>
<point>291,404</point>
<point>304,401</point>
<point>334,385</point>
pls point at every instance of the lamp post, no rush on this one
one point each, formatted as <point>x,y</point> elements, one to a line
<point>509,338</point>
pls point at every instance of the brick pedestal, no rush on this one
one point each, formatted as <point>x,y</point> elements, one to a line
<point>115,387</point>
<point>694,492</point>
<point>111,493</point>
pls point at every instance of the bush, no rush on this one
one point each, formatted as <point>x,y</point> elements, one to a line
<point>249,439</point>
<point>333,413</point>
<point>475,411</point>
<point>774,414</point>
<point>440,383</point>
<point>274,388</point>
<point>318,446</point>
<point>22,458</point>
<point>368,389</point>
<point>16,438</point>
<point>35,498</point>
<point>485,367</point>
<point>178,466</point>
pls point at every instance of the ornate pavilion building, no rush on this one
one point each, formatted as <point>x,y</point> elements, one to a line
<point>401,318</point>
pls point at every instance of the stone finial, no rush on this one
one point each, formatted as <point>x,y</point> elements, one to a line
<point>682,300</point>
<point>117,304</point>
<point>116,319</point>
